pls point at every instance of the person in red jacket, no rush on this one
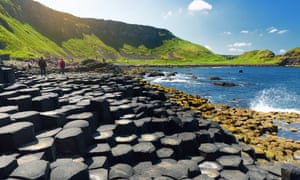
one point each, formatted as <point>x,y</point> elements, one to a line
<point>61,64</point>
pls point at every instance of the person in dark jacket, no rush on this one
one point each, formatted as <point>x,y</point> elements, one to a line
<point>42,64</point>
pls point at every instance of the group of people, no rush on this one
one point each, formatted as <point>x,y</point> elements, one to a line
<point>43,66</point>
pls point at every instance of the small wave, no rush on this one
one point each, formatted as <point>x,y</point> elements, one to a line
<point>178,78</point>
<point>276,100</point>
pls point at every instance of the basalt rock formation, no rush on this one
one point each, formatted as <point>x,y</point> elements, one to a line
<point>111,126</point>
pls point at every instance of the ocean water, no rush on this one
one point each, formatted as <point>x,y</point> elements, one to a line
<point>259,88</point>
<point>263,89</point>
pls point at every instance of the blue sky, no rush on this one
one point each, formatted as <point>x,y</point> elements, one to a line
<point>223,26</point>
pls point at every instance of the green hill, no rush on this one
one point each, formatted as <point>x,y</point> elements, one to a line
<point>29,29</point>
<point>263,57</point>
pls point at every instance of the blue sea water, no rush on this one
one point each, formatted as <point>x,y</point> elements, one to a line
<point>263,89</point>
<point>259,88</point>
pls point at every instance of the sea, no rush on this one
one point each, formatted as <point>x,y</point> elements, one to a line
<point>264,89</point>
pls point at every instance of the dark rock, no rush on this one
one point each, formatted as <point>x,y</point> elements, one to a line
<point>101,105</point>
<point>88,116</point>
<point>98,174</point>
<point>23,102</point>
<point>33,92</point>
<point>7,94</point>
<point>230,161</point>
<point>154,138</point>
<point>145,151</point>
<point>45,145</point>
<point>126,139</point>
<point>28,116</point>
<point>214,78</point>
<point>230,150</point>
<point>70,170</point>
<point>104,137</point>
<point>165,153</point>
<point>209,151</point>
<point>234,174</point>
<point>23,159</point>
<point>84,126</point>
<point>120,171</point>
<point>97,162</point>
<point>189,143</point>
<point>9,109</point>
<point>7,165</point>
<point>124,127</point>
<point>45,102</point>
<point>38,169</point>
<point>142,167</point>
<point>102,149</point>
<point>49,133</point>
<point>122,153</point>
<point>4,119</point>
<point>15,135</point>
<point>192,167</point>
<point>174,143</point>
<point>52,119</point>
<point>70,141</point>
<point>175,171</point>
<point>225,84</point>
<point>210,165</point>
<point>155,74</point>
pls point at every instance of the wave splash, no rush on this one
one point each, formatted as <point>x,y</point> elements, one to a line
<point>276,100</point>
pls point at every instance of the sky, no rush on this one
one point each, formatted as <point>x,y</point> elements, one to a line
<point>224,26</point>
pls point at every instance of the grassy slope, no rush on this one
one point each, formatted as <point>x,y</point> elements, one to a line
<point>264,57</point>
<point>25,42</point>
<point>90,46</point>
<point>173,52</point>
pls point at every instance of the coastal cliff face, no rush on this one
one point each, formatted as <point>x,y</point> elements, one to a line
<point>292,57</point>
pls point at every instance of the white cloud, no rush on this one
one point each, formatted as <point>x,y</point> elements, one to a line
<point>227,33</point>
<point>240,44</point>
<point>277,31</point>
<point>272,29</point>
<point>282,31</point>
<point>199,5</point>
<point>236,50</point>
<point>244,32</point>
<point>282,51</point>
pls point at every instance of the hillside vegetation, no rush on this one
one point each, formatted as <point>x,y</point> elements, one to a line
<point>29,30</point>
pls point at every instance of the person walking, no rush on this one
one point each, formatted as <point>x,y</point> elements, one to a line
<point>42,64</point>
<point>61,64</point>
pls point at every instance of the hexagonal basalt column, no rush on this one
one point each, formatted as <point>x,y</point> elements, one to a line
<point>70,141</point>
<point>30,116</point>
<point>15,135</point>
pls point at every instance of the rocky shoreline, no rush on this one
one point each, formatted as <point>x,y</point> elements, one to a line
<point>115,126</point>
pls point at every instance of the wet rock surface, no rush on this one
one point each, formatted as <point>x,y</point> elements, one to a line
<point>112,126</point>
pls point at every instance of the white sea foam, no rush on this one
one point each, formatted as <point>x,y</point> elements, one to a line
<point>276,100</point>
<point>177,78</point>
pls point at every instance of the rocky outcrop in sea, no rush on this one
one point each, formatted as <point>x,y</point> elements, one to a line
<point>111,126</point>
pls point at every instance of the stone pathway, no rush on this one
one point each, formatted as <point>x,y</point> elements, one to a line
<point>107,126</point>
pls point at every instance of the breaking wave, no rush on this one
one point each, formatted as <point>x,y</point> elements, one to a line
<point>276,100</point>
